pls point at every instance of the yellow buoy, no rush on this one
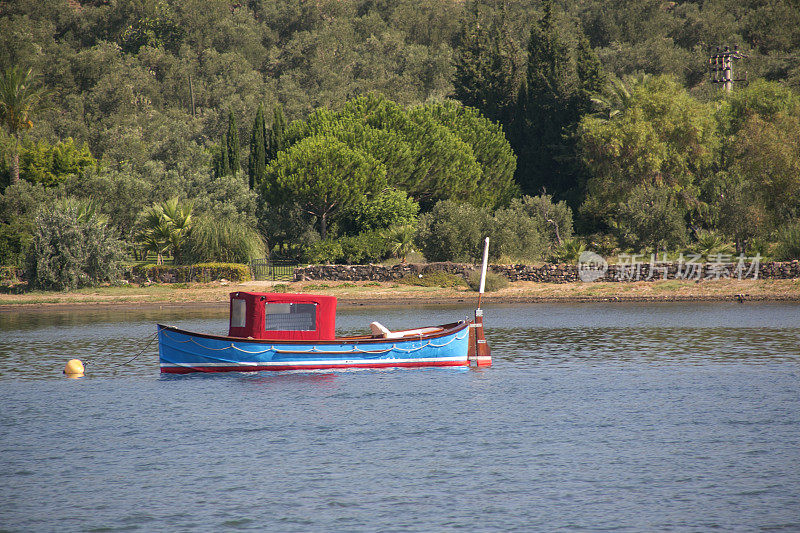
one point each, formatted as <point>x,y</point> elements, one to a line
<point>74,368</point>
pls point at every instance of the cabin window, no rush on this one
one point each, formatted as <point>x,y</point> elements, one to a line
<point>290,317</point>
<point>238,315</point>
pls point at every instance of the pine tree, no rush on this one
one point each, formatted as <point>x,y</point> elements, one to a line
<point>232,145</point>
<point>486,66</point>
<point>277,133</point>
<point>257,162</point>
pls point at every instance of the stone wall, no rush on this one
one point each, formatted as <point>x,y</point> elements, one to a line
<point>561,273</point>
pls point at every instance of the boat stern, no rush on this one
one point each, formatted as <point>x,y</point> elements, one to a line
<point>478,353</point>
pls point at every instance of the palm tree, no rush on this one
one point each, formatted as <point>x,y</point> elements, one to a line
<point>18,103</point>
<point>570,250</point>
<point>617,96</point>
<point>89,210</point>
<point>401,241</point>
<point>710,243</point>
<point>163,228</point>
<point>179,218</point>
<point>153,233</point>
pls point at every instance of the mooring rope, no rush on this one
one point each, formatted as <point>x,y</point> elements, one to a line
<point>146,346</point>
<point>152,338</point>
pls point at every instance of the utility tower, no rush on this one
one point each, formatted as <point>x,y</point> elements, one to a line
<point>720,66</point>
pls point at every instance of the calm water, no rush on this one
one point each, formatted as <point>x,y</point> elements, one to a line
<point>594,417</point>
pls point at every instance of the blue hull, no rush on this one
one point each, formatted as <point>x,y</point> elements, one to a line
<point>182,351</point>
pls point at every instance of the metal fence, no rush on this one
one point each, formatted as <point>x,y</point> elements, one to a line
<point>274,270</point>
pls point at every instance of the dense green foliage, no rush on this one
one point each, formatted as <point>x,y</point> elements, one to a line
<point>453,232</point>
<point>663,139</point>
<point>486,75</point>
<point>19,205</point>
<point>50,165</point>
<point>332,129</point>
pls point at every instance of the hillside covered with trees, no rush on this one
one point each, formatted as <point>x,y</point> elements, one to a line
<point>358,130</point>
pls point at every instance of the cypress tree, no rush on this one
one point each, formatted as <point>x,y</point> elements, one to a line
<point>590,73</point>
<point>220,162</point>
<point>232,145</point>
<point>590,82</point>
<point>546,110</point>
<point>257,162</point>
<point>486,66</point>
<point>277,133</point>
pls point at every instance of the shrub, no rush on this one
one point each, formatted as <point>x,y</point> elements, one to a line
<point>517,235</point>
<point>453,232</point>
<point>400,241</point>
<point>9,274</point>
<point>216,271</point>
<point>14,239</point>
<point>323,252</point>
<point>569,251</point>
<point>366,247</point>
<point>788,246</point>
<point>435,278</point>
<point>651,219</point>
<point>604,244</point>
<point>19,205</point>
<point>72,247</point>
<point>555,218</point>
<point>202,272</point>
<point>710,243</point>
<point>387,209</point>
<point>759,246</point>
<point>494,282</point>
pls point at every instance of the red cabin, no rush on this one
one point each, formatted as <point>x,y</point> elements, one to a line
<point>282,316</point>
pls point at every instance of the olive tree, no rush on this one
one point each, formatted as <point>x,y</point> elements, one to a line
<point>72,246</point>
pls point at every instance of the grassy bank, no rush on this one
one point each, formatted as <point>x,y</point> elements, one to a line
<point>363,293</point>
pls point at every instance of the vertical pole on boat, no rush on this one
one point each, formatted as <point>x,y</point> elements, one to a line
<point>478,352</point>
<point>483,270</point>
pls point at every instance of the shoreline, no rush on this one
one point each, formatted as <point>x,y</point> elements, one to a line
<point>355,294</point>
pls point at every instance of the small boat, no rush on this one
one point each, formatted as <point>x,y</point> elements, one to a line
<point>278,331</point>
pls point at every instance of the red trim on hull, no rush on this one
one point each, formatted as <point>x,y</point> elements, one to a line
<point>189,370</point>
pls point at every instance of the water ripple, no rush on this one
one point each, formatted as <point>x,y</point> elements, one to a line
<point>604,417</point>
